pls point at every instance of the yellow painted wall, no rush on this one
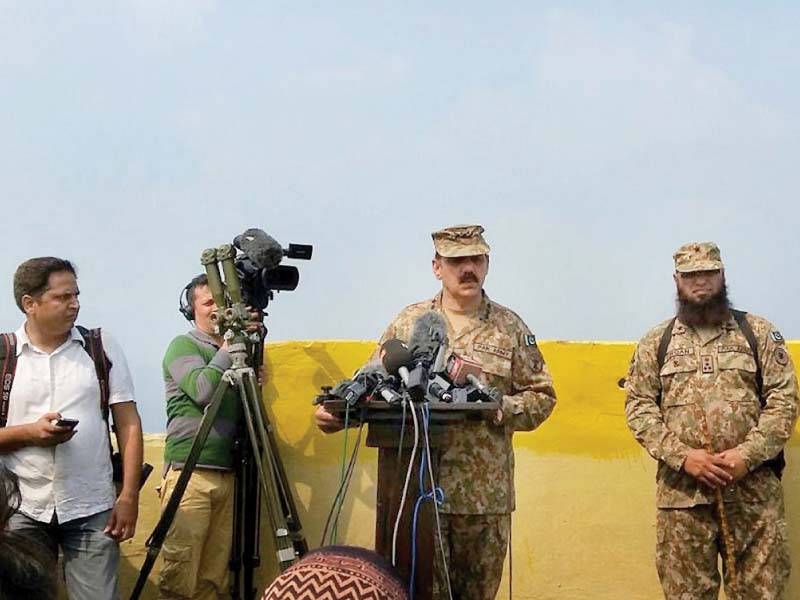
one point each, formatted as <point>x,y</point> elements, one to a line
<point>585,523</point>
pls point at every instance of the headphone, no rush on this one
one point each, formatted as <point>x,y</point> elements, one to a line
<point>186,299</point>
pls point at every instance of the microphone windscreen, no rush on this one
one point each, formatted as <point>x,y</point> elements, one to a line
<point>263,250</point>
<point>430,331</point>
<point>395,354</point>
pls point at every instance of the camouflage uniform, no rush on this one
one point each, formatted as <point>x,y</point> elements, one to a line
<point>476,465</point>
<point>715,381</point>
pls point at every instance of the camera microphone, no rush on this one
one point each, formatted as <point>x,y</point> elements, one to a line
<point>262,249</point>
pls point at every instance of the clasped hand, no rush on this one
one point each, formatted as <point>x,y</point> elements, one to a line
<point>715,470</point>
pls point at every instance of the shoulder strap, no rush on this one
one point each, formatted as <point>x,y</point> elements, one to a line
<point>778,463</point>
<point>664,343</point>
<point>93,344</point>
<point>661,355</point>
<point>8,355</point>
<point>741,319</point>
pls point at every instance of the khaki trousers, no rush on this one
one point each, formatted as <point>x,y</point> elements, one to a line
<point>197,548</point>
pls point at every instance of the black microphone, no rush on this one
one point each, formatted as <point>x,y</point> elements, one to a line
<point>491,394</point>
<point>428,336</point>
<point>396,357</point>
<point>388,390</point>
<point>263,250</point>
<point>428,344</point>
<point>370,378</point>
<point>379,381</point>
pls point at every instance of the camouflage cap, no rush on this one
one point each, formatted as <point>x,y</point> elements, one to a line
<point>460,240</point>
<point>697,256</point>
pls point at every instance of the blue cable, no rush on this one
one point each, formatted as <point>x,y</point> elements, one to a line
<point>436,495</point>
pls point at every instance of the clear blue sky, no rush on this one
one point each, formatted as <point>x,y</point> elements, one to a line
<point>591,141</point>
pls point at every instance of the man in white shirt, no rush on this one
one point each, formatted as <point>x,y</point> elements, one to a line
<point>65,474</point>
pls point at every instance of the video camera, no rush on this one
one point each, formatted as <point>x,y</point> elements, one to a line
<point>259,270</point>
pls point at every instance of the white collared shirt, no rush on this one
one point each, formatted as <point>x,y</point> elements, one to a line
<point>74,478</point>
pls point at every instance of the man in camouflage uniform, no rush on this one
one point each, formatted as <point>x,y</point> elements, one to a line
<point>699,414</point>
<point>476,468</point>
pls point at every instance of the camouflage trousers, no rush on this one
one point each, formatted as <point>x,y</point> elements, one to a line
<point>690,540</point>
<point>475,548</point>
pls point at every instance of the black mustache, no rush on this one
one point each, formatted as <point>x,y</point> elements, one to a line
<point>467,278</point>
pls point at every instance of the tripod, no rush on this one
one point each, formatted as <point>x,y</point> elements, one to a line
<point>250,489</point>
<point>261,473</point>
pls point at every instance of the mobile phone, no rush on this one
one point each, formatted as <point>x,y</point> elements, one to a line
<point>71,423</point>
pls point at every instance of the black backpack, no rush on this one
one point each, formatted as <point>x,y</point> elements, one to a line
<point>778,463</point>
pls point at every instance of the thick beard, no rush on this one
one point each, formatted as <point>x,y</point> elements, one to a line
<point>710,312</point>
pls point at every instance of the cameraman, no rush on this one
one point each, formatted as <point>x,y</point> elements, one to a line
<point>197,548</point>
<point>476,468</point>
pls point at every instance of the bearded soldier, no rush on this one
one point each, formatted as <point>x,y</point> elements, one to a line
<point>712,396</point>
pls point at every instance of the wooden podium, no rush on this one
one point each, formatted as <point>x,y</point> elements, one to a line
<point>385,424</point>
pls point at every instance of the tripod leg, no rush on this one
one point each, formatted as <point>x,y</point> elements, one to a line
<point>270,445</point>
<point>156,539</point>
<point>235,564</point>
<point>285,549</point>
<point>251,506</point>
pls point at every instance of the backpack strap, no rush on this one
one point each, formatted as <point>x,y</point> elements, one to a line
<point>93,344</point>
<point>778,463</point>
<point>741,320</point>
<point>661,355</point>
<point>8,355</point>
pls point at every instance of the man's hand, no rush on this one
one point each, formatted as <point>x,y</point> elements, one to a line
<point>44,433</point>
<point>256,322</point>
<point>708,468</point>
<point>122,524</point>
<point>496,396</point>
<point>735,464</point>
<point>326,421</point>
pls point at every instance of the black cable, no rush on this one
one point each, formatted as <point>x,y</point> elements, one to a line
<point>349,476</point>
<point>343,483</point>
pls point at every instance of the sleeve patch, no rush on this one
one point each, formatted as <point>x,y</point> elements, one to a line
<point>781,357</point>
<point>530,340</point>
<point>777,337</point>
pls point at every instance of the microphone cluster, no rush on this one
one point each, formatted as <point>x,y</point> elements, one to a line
<point>417,371</point>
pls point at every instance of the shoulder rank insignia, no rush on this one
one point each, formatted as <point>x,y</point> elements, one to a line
<point>530,340</point>
<point>777,337</point>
